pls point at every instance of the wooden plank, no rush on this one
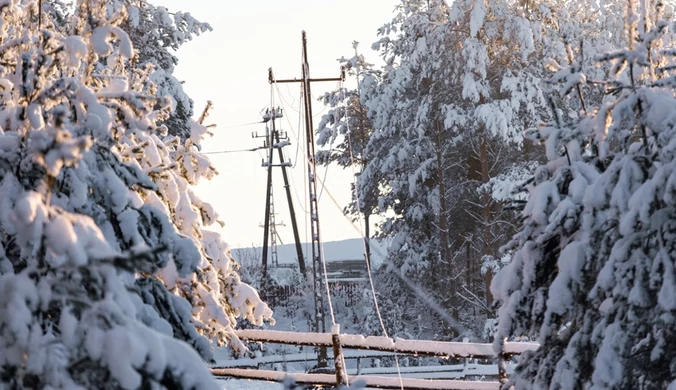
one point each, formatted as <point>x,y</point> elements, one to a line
<point>517,348</point>
<point>378,382</point>
<point>295,358</point>
<point>373,343</point>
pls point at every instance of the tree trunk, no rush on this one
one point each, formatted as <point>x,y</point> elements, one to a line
<point>443,226</point>
<point>469,266</point>
<point>367,237</point>
<point>486,200</point>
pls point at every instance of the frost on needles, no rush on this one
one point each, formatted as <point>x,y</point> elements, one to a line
<point>106,263</point>
<point>446,113</point>
<point>593,272</point>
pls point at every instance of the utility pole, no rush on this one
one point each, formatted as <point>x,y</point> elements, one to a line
<point>273,140</point>
<point>320,322</point>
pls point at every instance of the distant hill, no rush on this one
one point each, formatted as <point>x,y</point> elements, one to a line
<point>351,249</point>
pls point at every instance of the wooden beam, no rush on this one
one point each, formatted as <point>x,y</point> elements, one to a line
<point>372,343</point>
<point>379,343</point>
<point>295,358</point>
<point>310,80</point>
<point>378,382</point>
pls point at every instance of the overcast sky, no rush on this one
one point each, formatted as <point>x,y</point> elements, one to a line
<point>230,67</point>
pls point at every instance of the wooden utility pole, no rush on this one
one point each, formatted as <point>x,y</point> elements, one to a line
<point>292,211</point>
<point>268,195</point>
<point>320,322</point>
<point>273,141</point>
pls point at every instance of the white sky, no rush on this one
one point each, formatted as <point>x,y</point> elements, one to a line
<point>230,67</point>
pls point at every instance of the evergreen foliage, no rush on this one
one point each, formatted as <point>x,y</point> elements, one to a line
<point>105,258</point>
<point>592,277</point>
<point>155,33</point>
<point>447,110</point>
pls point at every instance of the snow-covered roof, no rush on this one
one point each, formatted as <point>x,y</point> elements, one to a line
<point>351,249</point>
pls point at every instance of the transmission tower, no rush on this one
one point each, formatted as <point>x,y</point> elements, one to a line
<point>274,234</point>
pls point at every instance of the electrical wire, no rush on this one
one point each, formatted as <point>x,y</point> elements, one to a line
<point>234,151</point>
<point>326,171</point>
<point>312,171</point>
<point>300,111</point>
<point>299,145</point>
<point>417,290</point>
<point>302,134</point>
<point>242,125</point>
<point>367,257</point>
<point>429,301</point>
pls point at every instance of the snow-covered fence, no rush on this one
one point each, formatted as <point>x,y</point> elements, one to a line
<point>348,289</point>
<point>446,349</point>
<point>453,371</point>
<point>377,382</point>
<point>383,344</point>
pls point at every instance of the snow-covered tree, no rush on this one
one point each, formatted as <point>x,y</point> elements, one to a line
<point>346,130</point>
<point>447,111</point>
<point>156,34</point>
<point>98,219</point>
<point>593,274</point>
<point>346,115</point>
<point>402,165</point>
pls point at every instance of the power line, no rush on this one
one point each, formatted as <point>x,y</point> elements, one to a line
<point>300,120</point>
<point>367,256</point>
<point>299,145</point>
<point>234,151</point>
<point>242,125</point>
<point>326,171</point>
<point>318,259</point>
<point>416,289</point>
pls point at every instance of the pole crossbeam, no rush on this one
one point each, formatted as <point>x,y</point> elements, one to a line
<point>309,80</point>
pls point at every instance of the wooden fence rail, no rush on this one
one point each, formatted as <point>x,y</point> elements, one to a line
<point>443,349</point>
<point>378,382</point>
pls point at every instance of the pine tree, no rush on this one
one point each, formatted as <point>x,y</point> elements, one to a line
<point>347,123</point>
<point>69,318</point>
<point>216,295</point>
<point>448,110</point>
<point>155,33</point>
<point>593,273</point>
<point>98,217</point>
